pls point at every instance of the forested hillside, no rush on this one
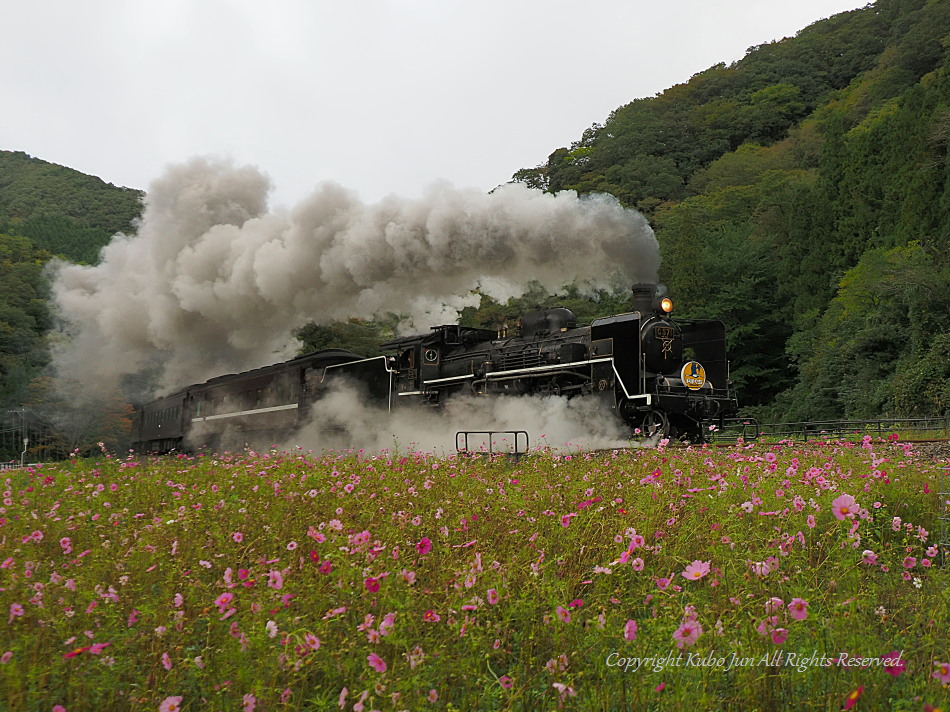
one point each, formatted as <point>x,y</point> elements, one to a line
<point>45,211</point>
<point>802,194</point>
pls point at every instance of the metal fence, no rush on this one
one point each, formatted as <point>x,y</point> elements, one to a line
<point>751,429</point>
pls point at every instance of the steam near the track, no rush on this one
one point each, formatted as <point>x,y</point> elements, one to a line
<point>213,283</point>
<point>552,422</point>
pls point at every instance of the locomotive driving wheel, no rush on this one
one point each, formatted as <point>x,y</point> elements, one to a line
<point>654,424</point>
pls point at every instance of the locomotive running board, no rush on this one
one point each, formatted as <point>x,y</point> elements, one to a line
<point>235,414</point>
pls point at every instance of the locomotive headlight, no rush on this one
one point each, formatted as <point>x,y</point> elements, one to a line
<point>666,304</point>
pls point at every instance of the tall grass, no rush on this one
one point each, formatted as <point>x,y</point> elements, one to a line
<point>703,578</point>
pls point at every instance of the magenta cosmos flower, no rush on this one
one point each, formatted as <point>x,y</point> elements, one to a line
<point>844,507</point>
<point>893,663</point>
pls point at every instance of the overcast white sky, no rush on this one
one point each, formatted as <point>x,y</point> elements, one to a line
<point>381,96</point>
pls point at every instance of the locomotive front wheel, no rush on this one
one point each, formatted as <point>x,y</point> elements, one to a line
<point>654,424</point>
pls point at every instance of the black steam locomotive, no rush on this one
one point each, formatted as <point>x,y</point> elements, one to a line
<point>661,377</point>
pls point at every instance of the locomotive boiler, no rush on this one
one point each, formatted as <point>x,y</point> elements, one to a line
<point>660,376</point>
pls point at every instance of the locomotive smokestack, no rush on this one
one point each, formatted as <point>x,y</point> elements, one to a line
<point>644,295</point>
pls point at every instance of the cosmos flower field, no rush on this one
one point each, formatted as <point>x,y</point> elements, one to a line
<point>751,576</point>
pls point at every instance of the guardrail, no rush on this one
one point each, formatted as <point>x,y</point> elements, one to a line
<point>751,429</point>
<point>13,466</point>
<point>490,445</point>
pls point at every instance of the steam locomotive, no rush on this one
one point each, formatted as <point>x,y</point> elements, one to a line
<point>660,377</point>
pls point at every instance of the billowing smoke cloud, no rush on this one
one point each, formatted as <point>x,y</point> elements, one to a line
<point>213,283</point>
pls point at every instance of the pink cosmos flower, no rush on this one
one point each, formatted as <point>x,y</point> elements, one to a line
<point>868,557</point>
<point>250,702</point>
<point>767,625</point>
<point>687,634</point>
<point>637,564</point>
<point>852,699</point>
<point>424,546</point>
<point>844,507</point>
<point>431,616</point>
<point>894,664</point>
<point>166,661</point>
<point>506,682</point>
<point>797,609</point>
<point>433,696</point>
<point>773,605</point>
<point>170,704</point>
<point>16,610</point>
<point>662,583</point>
<point>371,584</point>
<point>563,615</point>
<point>237,537</point>
<point>630,630</point>
<point>275,579</point>
<point>909,562</point>
<point>5,658</point>
<point>779,635</point>
<point>493,597</point>
<point>223,600</point>
<point>696,570</point>
<point>376,662</point>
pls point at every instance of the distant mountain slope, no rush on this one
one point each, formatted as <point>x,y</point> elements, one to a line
<point>60,209</point>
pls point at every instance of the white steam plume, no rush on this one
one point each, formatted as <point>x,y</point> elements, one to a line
<point>213,283</point>
<point>343,419</point>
